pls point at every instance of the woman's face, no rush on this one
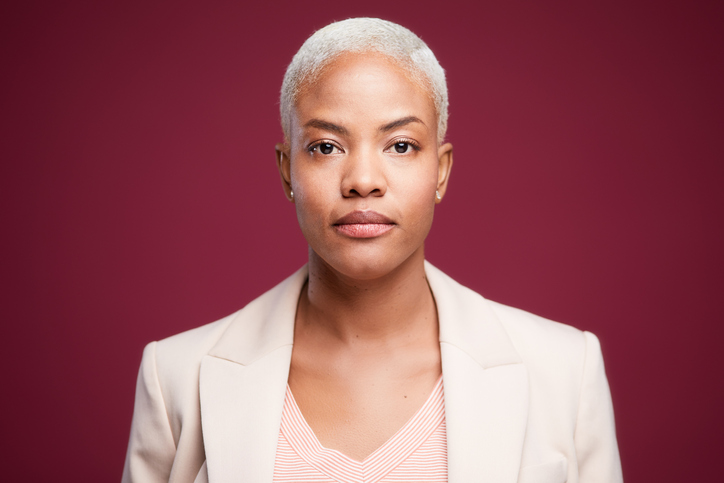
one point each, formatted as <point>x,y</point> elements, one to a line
<point>364,165</point>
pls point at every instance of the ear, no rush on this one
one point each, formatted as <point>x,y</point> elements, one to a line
<point>285,169</point>
<point>445,162</point>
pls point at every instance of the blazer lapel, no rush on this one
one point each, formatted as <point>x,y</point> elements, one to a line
<point>242,385</point>
<point>486,386</point>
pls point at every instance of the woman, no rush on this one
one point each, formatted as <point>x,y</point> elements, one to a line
<point>369,364</point>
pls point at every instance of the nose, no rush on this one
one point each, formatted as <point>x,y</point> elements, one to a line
<point>364,176</point>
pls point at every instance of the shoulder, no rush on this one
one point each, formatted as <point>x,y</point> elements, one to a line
<point>252,325</point>
<point>556,355</point>
<point>537,337</point>
<point>469,317</point>
<point>183,351</point>
<point>169,371</point>
<point>262,325</point>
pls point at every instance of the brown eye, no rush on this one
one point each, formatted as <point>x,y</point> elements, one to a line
<point>401,148</point>
<point>326,148</point>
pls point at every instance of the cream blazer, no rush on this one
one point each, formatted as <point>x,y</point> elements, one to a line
<point>526,399</point>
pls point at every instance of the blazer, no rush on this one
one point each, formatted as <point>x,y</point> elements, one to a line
<point>526,399</point>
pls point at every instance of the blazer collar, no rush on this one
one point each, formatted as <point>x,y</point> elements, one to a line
<point>468,323</point>
<point>243,381</point>
<point>264,325</point>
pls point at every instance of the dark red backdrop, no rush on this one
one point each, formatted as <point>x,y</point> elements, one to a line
<point>140,198</point>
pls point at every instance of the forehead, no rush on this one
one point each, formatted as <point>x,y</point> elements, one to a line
<point>364,87</point>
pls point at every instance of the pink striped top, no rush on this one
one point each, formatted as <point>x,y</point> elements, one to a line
<point>417,452</point>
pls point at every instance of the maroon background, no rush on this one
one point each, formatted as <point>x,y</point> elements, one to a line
<point>139,199</point>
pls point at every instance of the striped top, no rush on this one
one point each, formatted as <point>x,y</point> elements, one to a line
<point>417,452</point>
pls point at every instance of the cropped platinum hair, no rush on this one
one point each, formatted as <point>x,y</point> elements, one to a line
<point>365,35</point>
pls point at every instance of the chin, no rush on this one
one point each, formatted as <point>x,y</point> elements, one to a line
<point>366,265</point>
<point>365,271</point>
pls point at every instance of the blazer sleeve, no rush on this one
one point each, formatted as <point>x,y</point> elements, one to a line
<point>151,447</point>
<point>595,435</point>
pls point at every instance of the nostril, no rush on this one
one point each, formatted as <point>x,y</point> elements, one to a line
<point>363,193</point>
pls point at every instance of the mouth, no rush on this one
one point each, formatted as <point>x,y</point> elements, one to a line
<point>364,224</point>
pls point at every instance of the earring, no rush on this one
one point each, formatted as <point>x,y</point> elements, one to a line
<point>437,195</point>
<point>291,195</point>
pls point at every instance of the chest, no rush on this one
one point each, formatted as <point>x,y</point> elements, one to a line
<point>356,406</point>
<point>415,452</point>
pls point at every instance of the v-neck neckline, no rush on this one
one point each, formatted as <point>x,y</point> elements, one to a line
<point>381,461</point>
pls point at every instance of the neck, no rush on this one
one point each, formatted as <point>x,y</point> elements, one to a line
<point>396,306</point>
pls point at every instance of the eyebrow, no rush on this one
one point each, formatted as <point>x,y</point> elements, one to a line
<point>326,126</point>
<point>401,122</point>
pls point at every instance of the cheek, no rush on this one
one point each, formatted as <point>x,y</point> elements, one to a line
<point>309,206</point>
<point>418,205</point>
<point>311,201</point>
<point>419,187</point>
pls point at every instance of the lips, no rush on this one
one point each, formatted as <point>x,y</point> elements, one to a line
<point>364,224</point>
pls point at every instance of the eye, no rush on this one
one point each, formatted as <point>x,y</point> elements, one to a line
<point>324,148</point>
<point>401,148</point>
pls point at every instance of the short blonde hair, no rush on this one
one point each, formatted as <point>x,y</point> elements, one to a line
<point>365,35</point>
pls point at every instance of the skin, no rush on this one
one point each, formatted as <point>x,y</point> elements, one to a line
<point>366,352</point>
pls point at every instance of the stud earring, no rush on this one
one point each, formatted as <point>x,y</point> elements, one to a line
<point>437,195</point>
<point>291,195</point>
